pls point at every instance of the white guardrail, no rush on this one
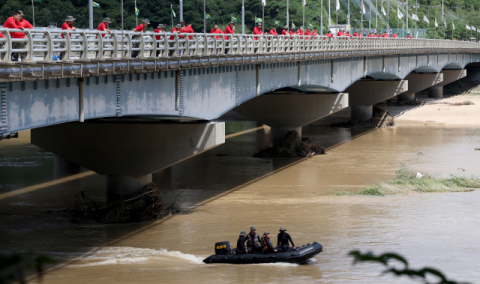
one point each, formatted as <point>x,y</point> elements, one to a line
<point>56,44</point>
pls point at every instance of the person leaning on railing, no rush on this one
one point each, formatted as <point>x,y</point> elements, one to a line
<point>68,25</point>
<point>230,29</point>
<point>17,22</point>
<point>104,26</point>
<point>140,28</point>
<point>315,32</point>
<point>216,30</point>
<point>285,30</point>
<point>409,36</point>
<point>160,29</point>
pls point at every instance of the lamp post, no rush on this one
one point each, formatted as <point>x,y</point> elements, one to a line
<point>243,15</point>
<point>181,10</point>
<point>90,14</point>
<point>287,16</point>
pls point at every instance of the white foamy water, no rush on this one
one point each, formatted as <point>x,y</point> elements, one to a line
<point>131,255</point>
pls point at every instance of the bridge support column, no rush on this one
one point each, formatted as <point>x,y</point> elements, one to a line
<point>120,186</point>
<point>284,112</point>
<point>127,151</point>
<point>449,76</point>
<point>63,167</point>
<point>406,97</point>
<point>365,93</point>
<point>435,92</point>
<point>418,82</point>
<point>361,112</point>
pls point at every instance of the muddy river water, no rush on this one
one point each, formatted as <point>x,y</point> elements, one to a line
<point>225,191</point>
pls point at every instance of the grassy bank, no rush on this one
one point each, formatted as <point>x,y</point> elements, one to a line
<point>406,181</point>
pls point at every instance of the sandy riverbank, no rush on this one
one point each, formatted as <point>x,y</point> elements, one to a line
<point>440,112</point>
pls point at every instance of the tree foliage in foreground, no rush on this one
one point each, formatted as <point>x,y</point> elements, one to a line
<point>416,274</point>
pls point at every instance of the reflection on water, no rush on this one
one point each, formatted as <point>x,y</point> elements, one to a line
<point>438,230</point>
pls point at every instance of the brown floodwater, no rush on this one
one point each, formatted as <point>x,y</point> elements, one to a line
<point>225,191</point>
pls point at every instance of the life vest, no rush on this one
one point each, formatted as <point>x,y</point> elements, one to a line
<point>264,242</point>
<point>252,241</point>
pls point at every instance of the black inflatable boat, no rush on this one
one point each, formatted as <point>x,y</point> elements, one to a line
<point>292,256</point>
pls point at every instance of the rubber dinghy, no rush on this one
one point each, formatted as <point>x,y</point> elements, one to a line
<point>292,256</point>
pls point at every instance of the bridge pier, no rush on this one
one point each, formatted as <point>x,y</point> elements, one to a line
<point>449,76</point>
<point>284,112</point>
<point>63,167</point>
<point>406,97</point>
<point>364,94</point>
<point>127,150</point>
<point>418,82</point>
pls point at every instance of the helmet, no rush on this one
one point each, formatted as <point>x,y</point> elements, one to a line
<point>266,232</point>
<point>252,228</point>
<point>243,233</point>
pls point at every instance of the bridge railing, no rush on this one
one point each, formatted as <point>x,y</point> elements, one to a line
<point>60,45</point>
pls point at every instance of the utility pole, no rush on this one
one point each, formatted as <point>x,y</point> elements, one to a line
<point>321,17</point>
<point>376,14</point>
<point>90,14</point>
<point>370,16</point>
<point>388,15</point>
<point>348,15</point>
<point>406,18</point>
<point>329,14</point>
<point>33,13</point>
<point>121,4</point>
<point>204,17</point>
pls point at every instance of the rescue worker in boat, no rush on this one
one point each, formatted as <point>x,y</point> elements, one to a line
<point>283,239</point>
<point>253,241</point>
<point>267,245</point>
<point>241,249</point>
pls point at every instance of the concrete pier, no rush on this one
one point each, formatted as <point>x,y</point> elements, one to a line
<point>435,92</point>
<point>63,167</point>
<point>121,186</point>
<point>359,113</point>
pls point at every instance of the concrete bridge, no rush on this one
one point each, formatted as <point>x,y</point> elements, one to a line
<point>147,102</point>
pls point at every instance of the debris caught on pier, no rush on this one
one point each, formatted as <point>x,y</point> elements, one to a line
<point>292,146</point>
<point>145,205</point>
<point>381,118</point>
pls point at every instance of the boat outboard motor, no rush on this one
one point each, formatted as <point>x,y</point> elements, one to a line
<point>222,248</point>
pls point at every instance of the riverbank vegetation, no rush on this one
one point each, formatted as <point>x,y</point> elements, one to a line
<point>408,181</point>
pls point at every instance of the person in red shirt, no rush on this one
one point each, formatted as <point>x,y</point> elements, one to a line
<point>307,32</point>
<point>142,26</point>
<point>300,31</point>
<point>188,30</point>
<point>340,33</point>
<point>355,33</point>
<point>409,36</point>
<point>347,33</point>
<point>159,30</point>
<point>68,25</point>
<point>315,33</point>
<point>273,31</point>
<point>285,30</point>
<point>104,26</point>
<point>176,30</point>
<point>17,22</point>
<point>385,34</point>
<point>257,30</point>
<point>230,29</point>
<point>394,35</point>
<point>292,31</point>
<point>216,30</point>
<point>329,34</point>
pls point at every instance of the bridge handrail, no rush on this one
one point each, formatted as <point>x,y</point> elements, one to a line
<point>59,45</point>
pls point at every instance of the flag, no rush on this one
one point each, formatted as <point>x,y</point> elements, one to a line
<point>234,19</point>
<point>173,13</point>
<point>257,20</point>
<point>208,17</point>
<point>399,14</point>
<point>94,4</point>
<point>468,27</point>
<point>276,22</point>
<point>414,17</point>
<point>436,24</point>
<point>337,5</point>
<point>425,19</point>
<point>293,25</point>
<point>310,25</point>
<point>363,8</point>
<point>453,25</point>
<point>264,2</point>
<point>138,11</point>
<point>383,11</point>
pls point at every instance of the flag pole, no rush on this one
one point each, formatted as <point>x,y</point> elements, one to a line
<point>33,13</point>
<point>181,10</point>
<point>329,14</point>
<point>376,14</point>
<point>388,15</point>
<point>361,17</point>
<point>171,15</point>
<point>243,17</point>
<point>303,25</point>
<point>204,18</point>
<point>121,4</point>
<point>348,16</point>
<point>136,17</point>
<point>370,16</point>
<point>263,18</point>
<point>287,15</point>
<point>321,17</point>
<point>90,14</point>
